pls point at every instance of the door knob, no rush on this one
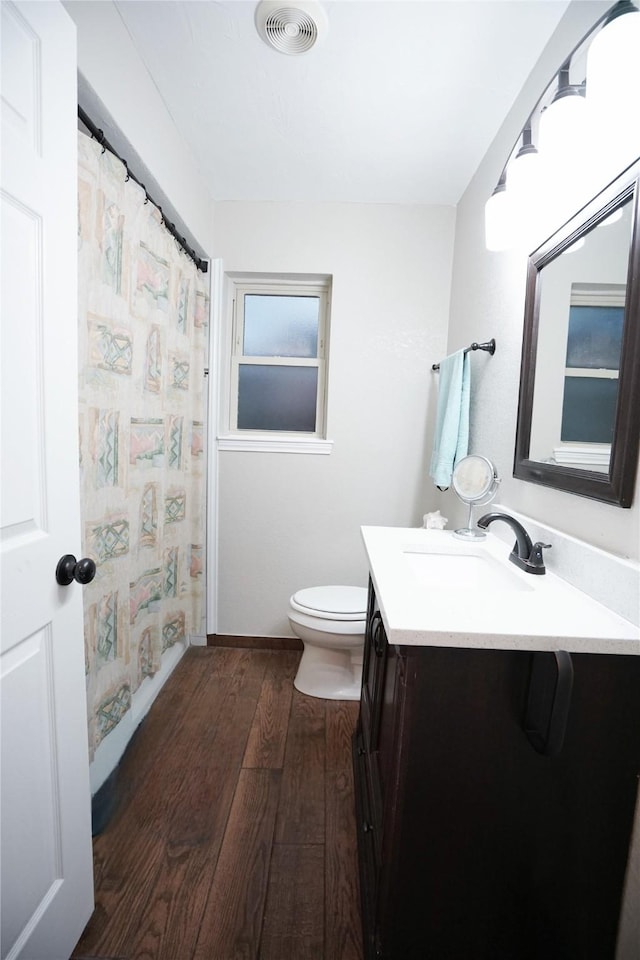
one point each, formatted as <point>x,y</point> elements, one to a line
<point>69,569</point>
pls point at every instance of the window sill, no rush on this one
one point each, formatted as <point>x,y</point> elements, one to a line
<point>255,444</point>
<point>596,454</point>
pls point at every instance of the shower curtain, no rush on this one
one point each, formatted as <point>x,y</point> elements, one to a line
<point>143,315</point>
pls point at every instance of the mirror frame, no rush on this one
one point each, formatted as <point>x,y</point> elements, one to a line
<point>616,486</point>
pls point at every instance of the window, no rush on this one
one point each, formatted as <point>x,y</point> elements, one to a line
<point>278,358</point>
<point>593,357</point>
<point>590,396</point>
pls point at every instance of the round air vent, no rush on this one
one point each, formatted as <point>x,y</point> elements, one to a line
<point>291,27</point>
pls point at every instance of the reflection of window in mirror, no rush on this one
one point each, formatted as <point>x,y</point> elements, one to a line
<point>594,339</point>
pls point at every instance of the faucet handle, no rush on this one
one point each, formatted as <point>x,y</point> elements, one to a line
<point>536,560</point>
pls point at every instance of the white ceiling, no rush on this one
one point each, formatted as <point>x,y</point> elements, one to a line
<point>397,103</point>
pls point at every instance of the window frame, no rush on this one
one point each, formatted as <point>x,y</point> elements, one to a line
<point>232,437</point>
<point>591,453</point>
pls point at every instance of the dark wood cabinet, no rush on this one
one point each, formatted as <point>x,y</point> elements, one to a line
<point>472,844</point>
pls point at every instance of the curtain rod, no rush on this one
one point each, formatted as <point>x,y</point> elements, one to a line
<point>98,135</point>
<point>489,346</point>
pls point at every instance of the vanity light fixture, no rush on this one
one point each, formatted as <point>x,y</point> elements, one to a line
<point>613,88</point>
<point>498,217</point>
<point>523,173</point>
<point>582,143</point>
<point>562,139</point>
<point>562,123</point>
<point>524,161</point>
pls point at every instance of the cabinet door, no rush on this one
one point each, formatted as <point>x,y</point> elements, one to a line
<point>372,673</point>
<point>369,867</point>
<point>368,663</point>
<point>383,760</point>
<point>500,851</point>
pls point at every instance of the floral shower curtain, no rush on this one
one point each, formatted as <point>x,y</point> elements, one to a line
<point>143,314</point>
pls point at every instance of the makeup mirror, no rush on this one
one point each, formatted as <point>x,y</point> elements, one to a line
<point>475,481</point>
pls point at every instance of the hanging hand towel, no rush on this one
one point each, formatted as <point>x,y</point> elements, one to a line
<point>451,441</point>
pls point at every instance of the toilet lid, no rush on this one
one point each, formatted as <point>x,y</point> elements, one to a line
<point>333,602</point>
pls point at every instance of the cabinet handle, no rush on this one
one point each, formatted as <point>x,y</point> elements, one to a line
<point>366,826</point>
<point>548,701</point>
<point>378,638</point>
<point>361,751</point>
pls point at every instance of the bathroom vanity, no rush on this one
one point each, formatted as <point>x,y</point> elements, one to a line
<point>495,798</point>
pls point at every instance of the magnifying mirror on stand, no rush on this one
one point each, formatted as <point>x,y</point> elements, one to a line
<point>475,480</point>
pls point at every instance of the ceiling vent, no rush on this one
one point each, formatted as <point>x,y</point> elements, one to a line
<point>292,27</point>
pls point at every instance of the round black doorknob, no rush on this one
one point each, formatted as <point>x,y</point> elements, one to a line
<point>70,569</point>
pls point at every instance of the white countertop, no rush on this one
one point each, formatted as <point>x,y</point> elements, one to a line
<point>436,590</point>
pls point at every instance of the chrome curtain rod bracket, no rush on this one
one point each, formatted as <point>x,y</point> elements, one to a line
<point>489,347</point>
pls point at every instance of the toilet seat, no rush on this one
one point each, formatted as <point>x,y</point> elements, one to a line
<point>331,602</point>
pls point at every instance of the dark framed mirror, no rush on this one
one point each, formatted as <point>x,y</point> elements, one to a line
<point>579,406</point>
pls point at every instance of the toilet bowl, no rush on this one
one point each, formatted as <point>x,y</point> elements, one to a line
<point>331,622</point>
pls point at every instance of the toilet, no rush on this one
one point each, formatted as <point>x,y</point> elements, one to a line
<point>330,621</point>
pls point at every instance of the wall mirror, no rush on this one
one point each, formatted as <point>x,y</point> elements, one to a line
<point>579,407</point>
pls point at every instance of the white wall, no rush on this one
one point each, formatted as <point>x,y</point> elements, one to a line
<point>119,95</point>
<point>292,520</point>
<point>487,299</point>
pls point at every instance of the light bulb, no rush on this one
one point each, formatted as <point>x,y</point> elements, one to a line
<point>523,184</point>
<point>498,220</point>
<point>613,93</point>
<point>563,154</point>
<point>562,130</point>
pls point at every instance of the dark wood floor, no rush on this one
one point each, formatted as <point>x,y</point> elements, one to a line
<point>234,836</point>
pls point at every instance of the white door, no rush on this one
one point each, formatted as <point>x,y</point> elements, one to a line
<point>46,874</point>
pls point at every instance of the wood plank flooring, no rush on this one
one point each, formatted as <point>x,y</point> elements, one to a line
<point>234,834</point>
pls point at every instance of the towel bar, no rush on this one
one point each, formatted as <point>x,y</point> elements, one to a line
<point>489,346</point>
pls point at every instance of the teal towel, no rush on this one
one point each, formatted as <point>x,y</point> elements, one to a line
<point>451,441</point>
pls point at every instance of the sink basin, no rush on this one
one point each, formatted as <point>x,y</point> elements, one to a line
<point>461,570</point>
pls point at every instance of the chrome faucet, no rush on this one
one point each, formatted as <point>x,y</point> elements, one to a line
<point>525,555</point>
